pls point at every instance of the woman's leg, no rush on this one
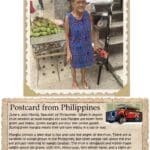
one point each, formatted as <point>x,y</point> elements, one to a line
<point>83,78</point>
<point>74,79</point>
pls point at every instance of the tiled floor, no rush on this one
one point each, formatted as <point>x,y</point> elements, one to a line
<point>53,75</point>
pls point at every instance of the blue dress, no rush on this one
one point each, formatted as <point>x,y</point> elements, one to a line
<point>80,41</point>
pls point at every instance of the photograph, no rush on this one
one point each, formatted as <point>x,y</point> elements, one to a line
<point>77,46</point>
<point>122,113</point>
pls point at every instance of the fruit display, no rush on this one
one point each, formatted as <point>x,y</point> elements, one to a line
<point>41,27</point>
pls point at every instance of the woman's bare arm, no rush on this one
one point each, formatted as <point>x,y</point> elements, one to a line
<point>66,27</point>
<point>92,29</point>
<point>94,35</point>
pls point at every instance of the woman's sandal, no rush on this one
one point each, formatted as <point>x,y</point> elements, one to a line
<point>75,86</point>
<point>85,85</point>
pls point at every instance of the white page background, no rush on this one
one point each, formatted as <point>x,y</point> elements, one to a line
<point>11,49</point>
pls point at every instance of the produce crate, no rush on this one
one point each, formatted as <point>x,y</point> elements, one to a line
<point>44,47</point>
<point>50,45</point>
<point>48,38</point>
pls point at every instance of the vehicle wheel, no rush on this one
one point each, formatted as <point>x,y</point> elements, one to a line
<point>137,119</point>
<point>122,120</point>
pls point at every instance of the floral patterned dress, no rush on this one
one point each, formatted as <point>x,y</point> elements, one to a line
<point>80,41</point>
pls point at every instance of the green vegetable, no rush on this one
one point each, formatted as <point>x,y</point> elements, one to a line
<point>35,30</point>
<point>43,29</point>
<point>48,30</point>
<point>36,34</point>
<point>43,33</point>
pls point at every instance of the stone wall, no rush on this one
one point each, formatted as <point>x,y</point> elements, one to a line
<point>55,8</point>
<point>61,7</point>
<point>49,9</point>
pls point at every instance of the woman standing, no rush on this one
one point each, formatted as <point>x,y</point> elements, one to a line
<point>78,32</point>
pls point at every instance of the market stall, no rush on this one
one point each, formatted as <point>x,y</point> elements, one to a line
<point>47,39</point>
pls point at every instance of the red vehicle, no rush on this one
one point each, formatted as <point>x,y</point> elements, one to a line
<point>124,114</point>
<point>128,114</point>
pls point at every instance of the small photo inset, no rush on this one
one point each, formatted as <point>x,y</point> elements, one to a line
<point>122,113</point>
